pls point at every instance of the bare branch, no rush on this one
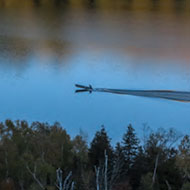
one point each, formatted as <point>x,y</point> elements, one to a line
<point>59,179</point>
<point>65,186</point>
<point>34,176</point>
<point>155,169</point>
<point>72,185</point>
<point>67,183</point>
<point>168,185</point>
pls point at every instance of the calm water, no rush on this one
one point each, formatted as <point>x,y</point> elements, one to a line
<point>45,48</point>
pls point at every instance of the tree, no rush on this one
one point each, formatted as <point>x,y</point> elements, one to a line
<point>160,155</point>
<point>101,150</point>
<point>130,146</point>
<point>80,165</point>
<point>146,182</point>
<point>54,150</point>
<point>183,158</point>
<point>119,161</point>
<point>99,144</point>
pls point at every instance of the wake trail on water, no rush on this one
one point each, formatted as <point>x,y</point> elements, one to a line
<point>182,96</point>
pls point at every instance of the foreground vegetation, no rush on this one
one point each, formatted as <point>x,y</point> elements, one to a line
<point>43,156</point>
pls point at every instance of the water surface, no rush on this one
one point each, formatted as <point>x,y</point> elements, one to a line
<point>46,47</point>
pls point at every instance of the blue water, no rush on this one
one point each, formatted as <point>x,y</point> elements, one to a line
<point>42,59</point>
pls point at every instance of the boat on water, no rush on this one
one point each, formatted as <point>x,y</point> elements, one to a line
<point>183,96</point>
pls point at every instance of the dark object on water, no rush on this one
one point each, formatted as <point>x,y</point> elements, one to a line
<point>165,94</point>
<point>84,88</point>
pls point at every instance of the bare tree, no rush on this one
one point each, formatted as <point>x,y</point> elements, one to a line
<point>106,177</point>
<point>67,183</point>
<point>97,170</point>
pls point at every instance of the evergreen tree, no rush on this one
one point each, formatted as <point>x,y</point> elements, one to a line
<point>130,147</point>
<point>99,144</point>
<point>118,164</point>
<point>140,168</point>
<point>119,152</point>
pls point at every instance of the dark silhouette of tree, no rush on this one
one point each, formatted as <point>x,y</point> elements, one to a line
<point>161,154</point>
<point>183,159</point>
<point>99,144</point>
<point>130,144</point>
<point>139,168</point>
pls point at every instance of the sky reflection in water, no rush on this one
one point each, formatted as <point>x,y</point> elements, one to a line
<point>42,59</point>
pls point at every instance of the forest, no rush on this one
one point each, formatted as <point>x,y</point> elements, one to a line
<point>43,156</point>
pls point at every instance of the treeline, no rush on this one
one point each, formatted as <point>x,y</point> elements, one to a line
<point>43,156</point>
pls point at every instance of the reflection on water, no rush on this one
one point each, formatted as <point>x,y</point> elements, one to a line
<point>13,48</point>
<point>48,46</point>
<point>179,6</point>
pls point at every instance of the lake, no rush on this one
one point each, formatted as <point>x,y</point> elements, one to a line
<point>48,46</point>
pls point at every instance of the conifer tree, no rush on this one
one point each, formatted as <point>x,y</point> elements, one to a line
<point>99,144</point>
<point>119,152</point>
<point>130,147</point>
